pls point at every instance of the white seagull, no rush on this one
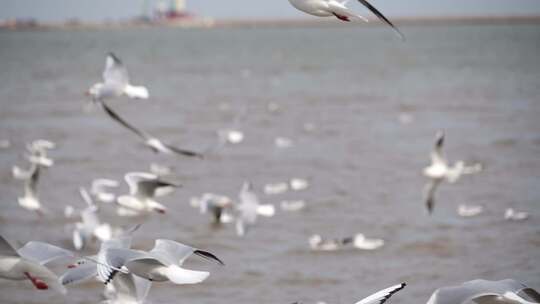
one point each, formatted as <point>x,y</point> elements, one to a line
<point>116,82</point>
<point>440,170</point>
<point>150,141</point>
<point>162,263</point>
<point>359,241</point>
<point>512,215</point>
<point>338,9</point>
<point>30,200</point>
<point>217,205</point>
<point>249,208</point>
<point>28,263</point>
<point>143,188</point>
<point>90,227</point>
<point>483,291</point>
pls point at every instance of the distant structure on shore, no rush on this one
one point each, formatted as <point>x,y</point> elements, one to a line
<point>174,12</point>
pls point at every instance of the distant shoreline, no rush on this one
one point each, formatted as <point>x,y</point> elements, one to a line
<point>28,24</point>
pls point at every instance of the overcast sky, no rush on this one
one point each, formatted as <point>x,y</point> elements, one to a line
<point>96,10</point>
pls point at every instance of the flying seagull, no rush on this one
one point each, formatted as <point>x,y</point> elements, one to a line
<point>143,188</point>
<point>162,263</point>
<point>150,141</point>
<point>116,82</point>
<point>338,9</point>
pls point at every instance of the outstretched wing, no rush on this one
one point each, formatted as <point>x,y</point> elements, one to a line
<point>183,151</point>
<point>80,273</point>
<point>382,17</point>
<point>43,253</point>
<point>383,295</point>
<point>115,73</point>
<point>121,121</point>
<point>178,252</point>
<point>6,249</point>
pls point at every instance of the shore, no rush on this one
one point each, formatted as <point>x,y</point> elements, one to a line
<point>206,22</point>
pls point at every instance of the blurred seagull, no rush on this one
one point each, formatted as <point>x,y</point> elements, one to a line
<point>152,142</point>
<point>116,82</point>
<point>162,263</point>
<point>337,8</point>
<point>143,187</point>
<point>469,210</point>
<point>249,208</point>
<point>30,200</point>
<point>99,190</point>
<point>316,242</point>
<point>292,206</point>
<point>90,226</point>
<point>28,263</point>
<point>484,291</point>
<point>217,205</point>
<point>512,215</point>
<point>440,170</point>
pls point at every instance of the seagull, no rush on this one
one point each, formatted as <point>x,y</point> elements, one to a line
<point>298,184</point>
<point>469,210</point>
<point>249,208</point>
<point>150,141</point>
<point>162,263</point>
<point>90,226</point>
<point>292,206</point>
<point>143,187</point>
<point>512,215</point>
<point>217,205</point>
<point>277,188</point>
<point>116,82</point>
<point>440,170</point>
<point>30,200</point>
<point>99,190</point>
<point>359,241</point>
<point>38,156</point>
<point>483,291</point>
<point>28,262</point>
<point>338,9</point>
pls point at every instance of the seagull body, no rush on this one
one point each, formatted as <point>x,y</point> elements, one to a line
<point>469,211</point>
<point>30,200</point>
<point>28,263</point>
<point>143,187</point>
<point>116,82</point>
<point>162,263</point>
<point>359,241</point>
<point>483,291</point>
<point>338,9</point>
<point>512,215</point>
<point>249,208</point>
<point>150,141</point>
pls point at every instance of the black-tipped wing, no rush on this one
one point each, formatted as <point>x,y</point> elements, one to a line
<point>121,121</point>
<point>383,295</point>
<point>183,151</point>
<point>382,17</point>
<point>207,255</point>
<point>115,72</point>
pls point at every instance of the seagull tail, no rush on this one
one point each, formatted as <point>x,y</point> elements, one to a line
<point>137,92</point>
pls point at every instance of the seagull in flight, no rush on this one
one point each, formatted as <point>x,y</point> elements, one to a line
<point>28,262</point>
<point>116,82</point>
<point>249,208</point>
<point>143,188</point>
<point>161,263</point>
<point>440,170</point>
<point>338,9</point>
<point>150,141</point>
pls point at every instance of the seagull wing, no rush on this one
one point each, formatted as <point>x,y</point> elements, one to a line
<point>111,261</point>
<point>178,252</point>
<point>383,295</point>
<point>429,194</point>
<point>183,151</point>
<point>115,72</point>
<point>6,249</point>
<point>31,183</point>
<point>43,253</point>
<point>79,274</point>
<point>148,188</point>
<point>382,17</point>
<point>121,121</point>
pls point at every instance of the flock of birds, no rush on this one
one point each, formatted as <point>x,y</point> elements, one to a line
<point>129,273</point>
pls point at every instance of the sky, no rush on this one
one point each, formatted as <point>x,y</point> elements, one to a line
<point>99,10</point>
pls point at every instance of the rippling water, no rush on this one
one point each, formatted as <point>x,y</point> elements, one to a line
<point>481,84</point>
